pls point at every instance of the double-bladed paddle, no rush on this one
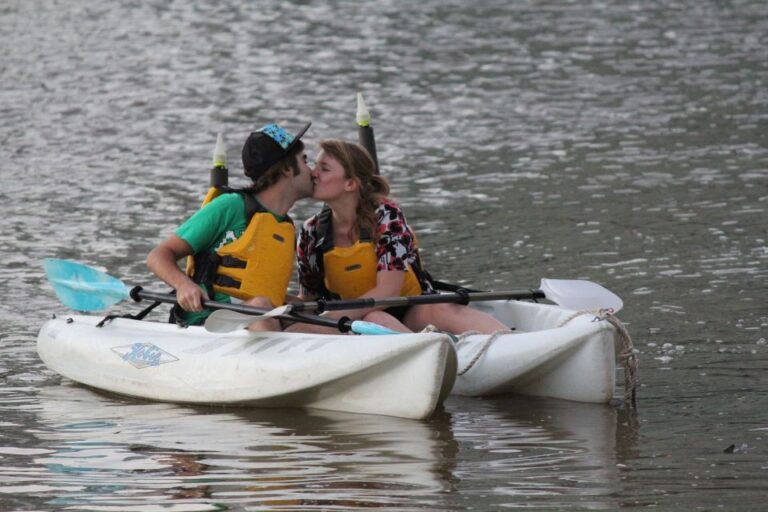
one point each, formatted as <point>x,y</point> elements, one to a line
<point>569,293</point>
<point>85,288</point>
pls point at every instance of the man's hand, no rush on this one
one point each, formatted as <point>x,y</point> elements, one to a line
<point>190,296</point>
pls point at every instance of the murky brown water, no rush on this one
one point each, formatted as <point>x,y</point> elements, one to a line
<point>621,143</point>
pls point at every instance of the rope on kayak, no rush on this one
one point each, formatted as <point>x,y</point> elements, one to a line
<point>482,350</point>
<point>627,354</point>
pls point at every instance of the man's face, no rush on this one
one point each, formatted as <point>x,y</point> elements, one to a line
<point>303,181</point>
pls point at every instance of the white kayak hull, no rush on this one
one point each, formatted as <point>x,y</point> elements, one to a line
<point>405,376</point>
<point>575,361</point>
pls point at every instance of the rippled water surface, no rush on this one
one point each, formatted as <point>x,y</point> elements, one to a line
<point>625,143</point>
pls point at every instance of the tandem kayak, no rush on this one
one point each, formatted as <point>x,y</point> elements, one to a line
<point>551,352</point>
<point>405,375</point>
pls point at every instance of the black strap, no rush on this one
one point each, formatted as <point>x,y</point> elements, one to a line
<point>424,278</point>
<point>176,316</point>
<point>448,287</point>
<point>138,316</point>
<point>206,265</point>
<point>324,233</point>
<point>252,206</point>
<point>323,244</point>
<point>144,312</point>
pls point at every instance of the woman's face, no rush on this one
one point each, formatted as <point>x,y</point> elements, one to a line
<point>329,179</point>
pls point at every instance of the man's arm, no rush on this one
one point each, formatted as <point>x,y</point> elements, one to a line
<point>162,261</point>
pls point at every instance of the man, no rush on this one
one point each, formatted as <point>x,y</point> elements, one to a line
<point>243,241</point>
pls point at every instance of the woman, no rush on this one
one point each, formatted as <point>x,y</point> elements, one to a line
<point>360,245</point>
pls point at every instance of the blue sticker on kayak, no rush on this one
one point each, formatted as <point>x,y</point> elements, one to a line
<point>142,355</point>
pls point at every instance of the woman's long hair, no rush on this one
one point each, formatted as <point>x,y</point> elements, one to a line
<point>358,165</point>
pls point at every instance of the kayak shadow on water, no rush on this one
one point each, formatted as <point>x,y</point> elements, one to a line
<point>276,457</point>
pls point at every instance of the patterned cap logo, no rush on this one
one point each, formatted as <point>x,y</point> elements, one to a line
<point>278,134</point>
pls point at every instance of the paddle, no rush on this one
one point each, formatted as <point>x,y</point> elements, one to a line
<point>85,288</point>
<point>571,294</point>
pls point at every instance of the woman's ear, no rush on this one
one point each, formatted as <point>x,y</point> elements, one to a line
<point>351,184</point>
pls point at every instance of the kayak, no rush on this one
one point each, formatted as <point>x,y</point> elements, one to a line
<point>552,352</point>
<point>404,375</point>
<point>565,351</point>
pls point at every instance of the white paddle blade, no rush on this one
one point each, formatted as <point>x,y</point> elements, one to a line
<point>580,295</point>
<point>223,320</point>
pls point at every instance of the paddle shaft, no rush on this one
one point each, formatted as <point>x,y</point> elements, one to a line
<point>437,298</point>
<point>343,324</point>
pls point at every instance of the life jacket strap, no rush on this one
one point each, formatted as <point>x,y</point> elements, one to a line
<point>232,262</point>
<point>205,270</point>
<point>324,243</point>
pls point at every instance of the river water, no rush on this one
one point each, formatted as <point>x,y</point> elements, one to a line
<point>621,142</point>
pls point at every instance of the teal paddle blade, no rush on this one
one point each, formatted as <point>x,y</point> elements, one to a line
<point>84,288</point>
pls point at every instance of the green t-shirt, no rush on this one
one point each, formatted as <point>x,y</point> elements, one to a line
<point>218,223</point>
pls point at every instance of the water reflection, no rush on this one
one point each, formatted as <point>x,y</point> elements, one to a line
<point>94,450</point>
<point>554,451</point>
<point>105,450</point>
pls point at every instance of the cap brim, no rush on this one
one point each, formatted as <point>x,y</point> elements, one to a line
<point>298,137</point>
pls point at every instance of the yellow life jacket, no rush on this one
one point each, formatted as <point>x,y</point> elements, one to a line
<point>349,272</point>
<point>258,264</point>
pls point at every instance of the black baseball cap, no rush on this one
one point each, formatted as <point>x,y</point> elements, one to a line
<point>267,146</point>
